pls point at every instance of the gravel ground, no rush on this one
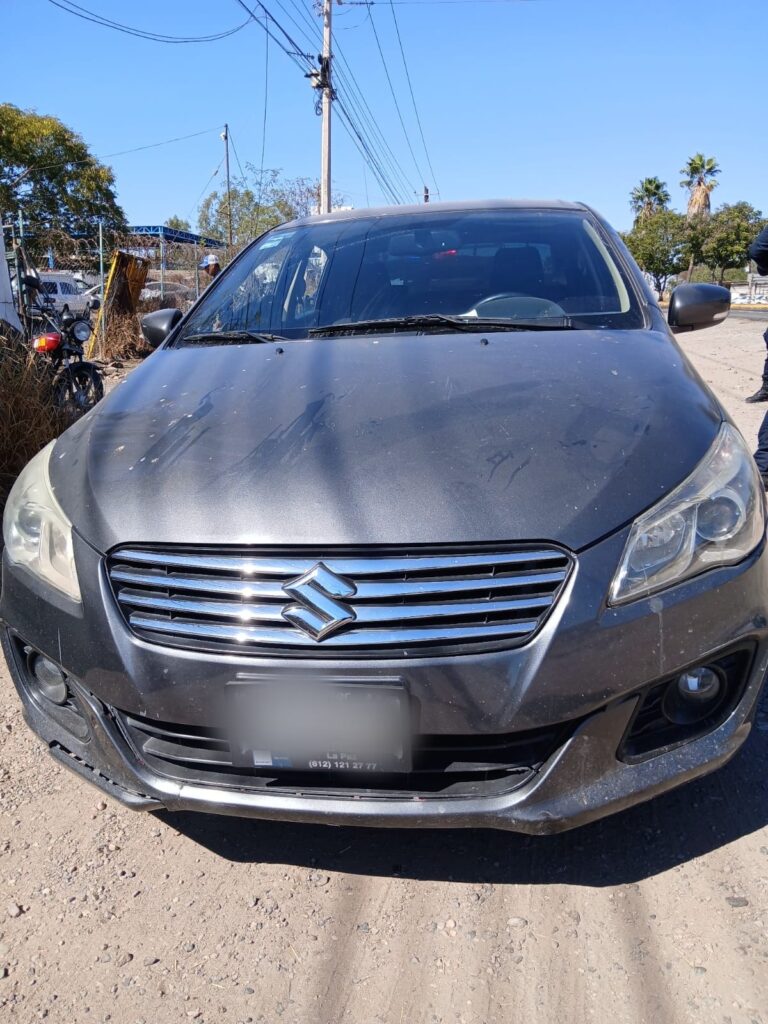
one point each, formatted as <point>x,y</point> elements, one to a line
<point>659,915</point>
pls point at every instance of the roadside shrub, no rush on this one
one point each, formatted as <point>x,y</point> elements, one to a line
<point>28,419</point>
<point>123,340</point>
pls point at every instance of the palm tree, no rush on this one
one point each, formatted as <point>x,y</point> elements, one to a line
<point>699,178</point>
<point>648,197</point>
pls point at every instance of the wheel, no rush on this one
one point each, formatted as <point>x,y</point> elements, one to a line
<point>77,389</point>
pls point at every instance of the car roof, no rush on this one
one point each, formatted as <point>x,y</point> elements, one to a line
<point>421,209</point>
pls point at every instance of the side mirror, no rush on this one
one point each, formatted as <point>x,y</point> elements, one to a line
<point>158,325</point>
<point>693,306</point>
<point>31,281</point>
<point>94,304</point>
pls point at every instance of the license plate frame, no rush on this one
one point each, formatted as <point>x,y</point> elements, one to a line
<point>253,747</point>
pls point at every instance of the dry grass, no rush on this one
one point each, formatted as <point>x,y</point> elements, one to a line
<point>28,419</point>
<point>123,340</point>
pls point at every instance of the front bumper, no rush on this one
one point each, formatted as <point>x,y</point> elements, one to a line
<point>588,664</point>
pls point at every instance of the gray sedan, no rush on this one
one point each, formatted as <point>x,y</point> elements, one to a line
<point>418,517</point>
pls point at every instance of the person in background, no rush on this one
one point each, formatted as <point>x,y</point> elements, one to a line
<point>210,264</point>
<point>758,252</point>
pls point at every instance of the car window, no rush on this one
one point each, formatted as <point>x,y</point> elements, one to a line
<point>504,264</point>
<point>49,287</point>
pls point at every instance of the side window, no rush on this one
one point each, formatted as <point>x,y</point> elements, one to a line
<point>49,287</point>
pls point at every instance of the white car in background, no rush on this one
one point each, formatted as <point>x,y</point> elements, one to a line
<point>62,288</point>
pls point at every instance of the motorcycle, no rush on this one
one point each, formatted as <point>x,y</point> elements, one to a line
<point>77,384</point>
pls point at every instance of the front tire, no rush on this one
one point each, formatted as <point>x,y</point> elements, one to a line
<point>77,389</point>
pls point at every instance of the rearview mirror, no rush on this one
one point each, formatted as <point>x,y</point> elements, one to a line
<point>158,325</point>
<point>694,306</point>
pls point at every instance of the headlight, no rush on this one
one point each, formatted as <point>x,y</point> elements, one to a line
<point>81,330</point>
<point>715,517</point>
<point>37,533</point>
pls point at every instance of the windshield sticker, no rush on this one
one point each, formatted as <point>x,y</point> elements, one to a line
<point>274,240</point>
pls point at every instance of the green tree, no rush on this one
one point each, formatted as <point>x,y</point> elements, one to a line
<point>697,230</point>
<point>731,230</point>
<point>178,223</point>
<point>259,202</point>
<point>658,243</point>
<point>699,176</point>
<point>48,174</point>
<point>648,197</point>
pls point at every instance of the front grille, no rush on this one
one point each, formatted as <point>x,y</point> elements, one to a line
<point>449,765</point>
<point>345,603</point>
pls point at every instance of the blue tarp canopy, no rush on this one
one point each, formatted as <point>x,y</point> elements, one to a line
<point>174,235</point>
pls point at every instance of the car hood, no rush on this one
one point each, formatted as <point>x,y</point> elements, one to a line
<point>452,438</point>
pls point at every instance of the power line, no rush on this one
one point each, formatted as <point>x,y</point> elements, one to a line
<point>294,54</point>
<point>366,115</point>
<point>394,94</point>
<point>425,3</point>
<point>203,190</point>
<point>166,142</point>
<point>368,126</point>
<point>304,61</point>
<point>354,132</point>
<point>358,120</point>
<point>263,129</point>
<point>237,158</point>
<point>121,152</point>
<point>413,97</point>
<point>97,19</point>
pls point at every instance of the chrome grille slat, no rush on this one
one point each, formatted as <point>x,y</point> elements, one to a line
<point>349,602</point>
<point>291,637</point>
<point>288,567</point>
<point>365,614</point>
<point>208,584</point>
<point>381,590</point>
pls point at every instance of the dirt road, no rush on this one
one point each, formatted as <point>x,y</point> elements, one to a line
<point>659,915</point>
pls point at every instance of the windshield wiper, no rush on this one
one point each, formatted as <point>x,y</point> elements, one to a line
<point>230,338</point>
<point>438,321</point>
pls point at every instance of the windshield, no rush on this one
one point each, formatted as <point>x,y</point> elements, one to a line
<point>508,265</point>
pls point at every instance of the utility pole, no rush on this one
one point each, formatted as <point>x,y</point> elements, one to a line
<point>326,85</point>
<point>426,193</point>
<point>225,137</point>
<point>102,312</point>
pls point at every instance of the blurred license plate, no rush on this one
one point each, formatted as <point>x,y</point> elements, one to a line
<point>321,727</point>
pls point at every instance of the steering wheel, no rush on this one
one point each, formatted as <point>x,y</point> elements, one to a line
<point>513,305</point>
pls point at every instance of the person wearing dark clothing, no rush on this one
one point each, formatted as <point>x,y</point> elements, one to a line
<point>758,252</point>
<point>761,455</point>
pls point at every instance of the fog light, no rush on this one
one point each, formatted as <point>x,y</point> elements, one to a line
<point>693,696</point>
<point>699,685</point>
<point>51,681</point>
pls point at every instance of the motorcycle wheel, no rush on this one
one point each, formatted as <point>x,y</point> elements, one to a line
<point>77,389</point>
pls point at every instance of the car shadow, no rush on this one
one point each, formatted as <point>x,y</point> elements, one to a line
<point>628,847</point>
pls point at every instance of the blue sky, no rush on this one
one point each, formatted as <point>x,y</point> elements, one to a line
<point>574,99</point>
